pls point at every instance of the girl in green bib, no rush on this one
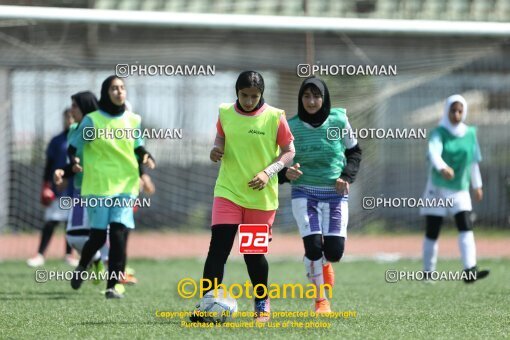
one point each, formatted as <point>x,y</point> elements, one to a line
<point>327,161</point>
<point>110,177</point>
<point>253,142</point>
<point>454,154</point>
<point>78,230</point>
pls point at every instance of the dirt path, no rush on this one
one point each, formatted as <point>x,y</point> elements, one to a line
<point>171,245</point>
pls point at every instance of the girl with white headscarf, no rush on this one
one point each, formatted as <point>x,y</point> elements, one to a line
<point>454,155</point>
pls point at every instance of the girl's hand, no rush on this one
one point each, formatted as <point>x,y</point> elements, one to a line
<point>342,187</point>
<point>146,185</point>
<point>58,177</point>
<point>77,167</point>
<point>259,181</point>
<point>448,173</point>
<point>148,161</point>
<point>293,172</point>
<point>478,193</point>
<point>216,154</point>
<point>59,180</point>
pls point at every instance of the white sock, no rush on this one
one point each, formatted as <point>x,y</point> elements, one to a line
<point>97,256</point>
<point>429,254</point>
<point>315,275</point>
<point>467,248</point>
<point>104,251</point>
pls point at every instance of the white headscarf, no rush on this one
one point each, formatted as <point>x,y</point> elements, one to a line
<point>459,129</point>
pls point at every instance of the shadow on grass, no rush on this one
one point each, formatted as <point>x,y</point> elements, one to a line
<point>36,295</point>
<point>32,298</point>
<point>12,275</point>
<point>108,323</point>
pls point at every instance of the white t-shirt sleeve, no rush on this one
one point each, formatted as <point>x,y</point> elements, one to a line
<point>476,176</point>
<point>348,137</point>
<point>435,150</point>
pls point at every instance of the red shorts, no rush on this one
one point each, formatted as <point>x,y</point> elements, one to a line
<point>227,212</point>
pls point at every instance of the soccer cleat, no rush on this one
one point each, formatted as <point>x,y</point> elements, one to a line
<point>479,274</point>
<point>427,277</point>
<point>97,269</point>
<point>329,274</point>
<point>118,288</point>
<point>194,317</point>
<point>262,310</point>
<point>68,259</point>
<point>77,279</point>
<point>128,279</point>
<point>322,306</point>
<point>112,293</point>
<point>36,261</point>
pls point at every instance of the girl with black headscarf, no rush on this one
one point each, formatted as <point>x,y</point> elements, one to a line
<point>110,174</point>
<point>78,229</point>
<point>326,162</point>
<point>253,143</point>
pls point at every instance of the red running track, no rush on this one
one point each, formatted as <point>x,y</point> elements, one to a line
<point>171,245</point>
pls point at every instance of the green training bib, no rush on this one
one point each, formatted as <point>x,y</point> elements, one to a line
<point>321,160</point>
<point>250,146</point>
<point>458,153</point>
<point>111,167</point>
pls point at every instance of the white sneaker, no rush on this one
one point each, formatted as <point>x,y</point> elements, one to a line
<point>36,261</point>
<point>71,261</point>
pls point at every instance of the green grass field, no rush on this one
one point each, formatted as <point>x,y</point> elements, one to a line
<point>384,310</point>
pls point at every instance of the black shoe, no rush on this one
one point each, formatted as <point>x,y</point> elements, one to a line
<point>473,274</point>
<point>77,280</point>
<point>427,277</point>
<point>194,317</point>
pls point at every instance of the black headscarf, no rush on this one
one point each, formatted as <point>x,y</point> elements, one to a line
<point>105,103</point>
<point>320,116</point>
<point>247,79</point>
<point>86,101</point>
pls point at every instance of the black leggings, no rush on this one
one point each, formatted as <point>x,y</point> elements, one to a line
<point>46,234</point>
<point>433,224</point>
<point>117,254</point>
<point>332,247</point>
<point>222,240</point>
<point>126,236</point>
